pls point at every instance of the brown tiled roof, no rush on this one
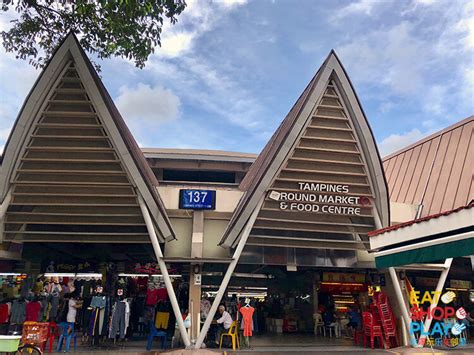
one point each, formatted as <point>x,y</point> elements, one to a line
<point>419,220</point>
<point>436,171</point>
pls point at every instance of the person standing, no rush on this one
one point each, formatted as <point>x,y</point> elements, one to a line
<point>73,305</point>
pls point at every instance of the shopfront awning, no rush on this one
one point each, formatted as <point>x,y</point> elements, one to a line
<point>432,238</point>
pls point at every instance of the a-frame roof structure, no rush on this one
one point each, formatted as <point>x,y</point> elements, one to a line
<point>71,168</point>
<point>325,138</point>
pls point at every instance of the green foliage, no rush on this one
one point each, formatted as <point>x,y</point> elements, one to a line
<point>125,28</point>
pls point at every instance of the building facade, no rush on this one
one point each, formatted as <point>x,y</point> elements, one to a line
<point>291,221</point>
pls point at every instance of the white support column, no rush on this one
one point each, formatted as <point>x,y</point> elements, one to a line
<point>401,303</point>
<point>230,270</point>
<point>5,203</point>
<point>3,210</point>
<point>164,270</point>
<point>434,303</point>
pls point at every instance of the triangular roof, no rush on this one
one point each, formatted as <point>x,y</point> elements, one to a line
<point>278,150</point>
<point>70,59</point>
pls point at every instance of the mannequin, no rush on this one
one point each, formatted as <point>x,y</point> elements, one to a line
<point>119,316</point>
<point>97,317</point>
<point>247,312</point>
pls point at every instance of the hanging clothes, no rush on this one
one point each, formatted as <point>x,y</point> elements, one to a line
<point>4,313</point>
<point>32,311</point>
<point>247,313</point>
<point>118,320</point>
<point>18,312</point>
<point>162,316</point>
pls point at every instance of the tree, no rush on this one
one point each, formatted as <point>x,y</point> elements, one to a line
<point>125,28</point>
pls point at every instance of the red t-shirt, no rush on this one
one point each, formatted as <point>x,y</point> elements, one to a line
<point>162,294</point>
<point>32,311</point>
<point>3,313</point>
<point>151,297</point>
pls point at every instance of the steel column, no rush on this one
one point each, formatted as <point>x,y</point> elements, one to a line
<point>164,271</point>
<point>228,274</point>
<point>401,303</point>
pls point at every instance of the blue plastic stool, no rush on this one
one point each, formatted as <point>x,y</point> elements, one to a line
<point>65,336</point>
<point>156,333</point>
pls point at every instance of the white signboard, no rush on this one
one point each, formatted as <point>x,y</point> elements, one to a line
<point>309,200</point>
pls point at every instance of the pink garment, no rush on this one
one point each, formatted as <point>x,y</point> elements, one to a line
<point>247,313</point>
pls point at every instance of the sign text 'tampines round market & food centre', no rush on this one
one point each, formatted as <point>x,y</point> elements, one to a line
<point>308,201</point>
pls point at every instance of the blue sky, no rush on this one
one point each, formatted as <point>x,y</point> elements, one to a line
<point>230,70</point>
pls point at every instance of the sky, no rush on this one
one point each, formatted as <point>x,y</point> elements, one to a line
<point>230,70</point>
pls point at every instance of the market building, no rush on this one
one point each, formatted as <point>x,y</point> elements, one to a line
<point>288,228</point>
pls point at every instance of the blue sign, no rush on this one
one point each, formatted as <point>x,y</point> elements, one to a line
<point>197,199</point>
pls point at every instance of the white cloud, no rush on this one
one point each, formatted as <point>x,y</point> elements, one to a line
<point>402,59</point>
<point>147,104</point>
<point>198,17</point>
<point>362,6</point>
<point>397,141</point>
<point>176,43</point>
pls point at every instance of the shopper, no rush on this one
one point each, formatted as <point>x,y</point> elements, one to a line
<point>354,319</point>
<point>73,305</point>
<point>223,323</point>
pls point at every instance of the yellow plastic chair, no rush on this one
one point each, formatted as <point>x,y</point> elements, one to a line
<point>233,333</point>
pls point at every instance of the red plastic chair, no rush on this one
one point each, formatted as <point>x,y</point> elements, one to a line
<point>371,330</point>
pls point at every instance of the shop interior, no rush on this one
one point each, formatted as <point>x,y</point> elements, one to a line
<point>123,296</point>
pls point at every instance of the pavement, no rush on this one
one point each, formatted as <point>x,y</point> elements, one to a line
<point>273,350</point>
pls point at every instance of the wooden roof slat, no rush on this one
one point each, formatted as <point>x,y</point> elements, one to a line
<point>305,244</point>
<point>325,182</point>
<point>338,162</point>
<point>73,172</point>
<point>337,140</point>
<point>330,107</point>
<point>312,230</point>
<point>328,150</point>
<point>101,138</point>
<point>76,214</point>
<point>69,114</point>
<point>69,91</point>
<point>82,149</point>
<point>75,102</point>
<point>70,194</point>
<point>117,161</point>
<point>314,222</point>
<point>327,128</point>
<point>345,119</point>
<point>71,79</point>
<point>85,223</point>
<point>323,172</point>
<point>13,203</point>
<point>70,125</point>
<point>86,183</point>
